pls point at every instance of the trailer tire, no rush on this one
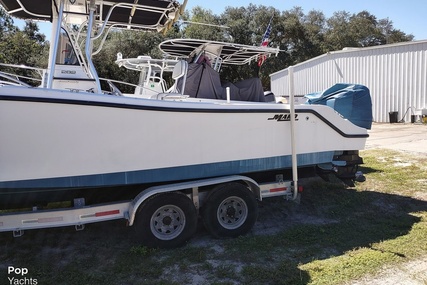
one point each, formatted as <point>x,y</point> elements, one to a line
<point>230,210</point>
<point>166,221</point>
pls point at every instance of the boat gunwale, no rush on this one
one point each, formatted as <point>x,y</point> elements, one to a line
<point>214,108</point>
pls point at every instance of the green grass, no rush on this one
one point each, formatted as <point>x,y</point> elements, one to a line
<point>335,235</point>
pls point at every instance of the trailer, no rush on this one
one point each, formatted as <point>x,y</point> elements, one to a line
<point>166,216</point>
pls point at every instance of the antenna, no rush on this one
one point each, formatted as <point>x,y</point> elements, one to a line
<point>204,24</point>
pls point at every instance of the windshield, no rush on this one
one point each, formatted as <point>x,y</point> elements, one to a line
<point>66,54</point>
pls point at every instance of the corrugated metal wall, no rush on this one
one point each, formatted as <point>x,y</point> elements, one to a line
<point>396,75</point>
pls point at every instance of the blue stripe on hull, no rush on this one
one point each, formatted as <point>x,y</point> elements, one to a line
<point>173,173</point>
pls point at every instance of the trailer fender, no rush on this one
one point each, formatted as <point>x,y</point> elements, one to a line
<point>149,192</point>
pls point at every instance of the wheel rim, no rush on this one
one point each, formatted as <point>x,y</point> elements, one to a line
<point>167,222</point>
<point>232,212</point>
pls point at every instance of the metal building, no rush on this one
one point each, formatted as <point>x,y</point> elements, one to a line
<point>396,75</point>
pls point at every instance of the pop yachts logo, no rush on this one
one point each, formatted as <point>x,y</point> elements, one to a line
<point>283,117</point>
<point>20,277</point>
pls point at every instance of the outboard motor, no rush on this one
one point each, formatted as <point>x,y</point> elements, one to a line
<point>345,166</point>
<point>352,101</point>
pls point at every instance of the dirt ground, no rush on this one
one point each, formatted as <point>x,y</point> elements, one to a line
<point>410,273</point>
<point>411,138</point>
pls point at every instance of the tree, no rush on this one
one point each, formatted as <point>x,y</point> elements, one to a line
<point>27,47</point>
<point>6,23</point>
<point>315,25</point>
<point>241,30</point>
<point>300,38</point>
<point>202,24</point>
<point>6,27</point>
<point>364,28</point>
<point>397,36</point>
<point>360,30</point>
<point>337,34</point>
<point>247,26</point>
<point>391,34</point>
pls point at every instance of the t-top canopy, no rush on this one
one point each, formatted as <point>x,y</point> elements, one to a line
<point>149,14</point>
<point>230,53</point>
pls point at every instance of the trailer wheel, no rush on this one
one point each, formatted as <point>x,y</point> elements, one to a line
<point>166,221</point>
<point>230,211</point>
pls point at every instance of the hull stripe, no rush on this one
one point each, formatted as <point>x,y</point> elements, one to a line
<point>171,173</point>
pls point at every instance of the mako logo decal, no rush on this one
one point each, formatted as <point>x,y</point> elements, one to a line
<point>68,71</point>
<point>283,117</point>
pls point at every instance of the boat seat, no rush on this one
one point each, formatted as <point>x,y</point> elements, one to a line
<point>179,71</point>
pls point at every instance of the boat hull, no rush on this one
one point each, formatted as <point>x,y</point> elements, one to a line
<point>62,140</point>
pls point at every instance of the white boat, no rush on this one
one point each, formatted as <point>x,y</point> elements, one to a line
<point>68,138</point>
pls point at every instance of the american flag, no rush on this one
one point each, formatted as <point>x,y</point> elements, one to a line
<point>264,42</point>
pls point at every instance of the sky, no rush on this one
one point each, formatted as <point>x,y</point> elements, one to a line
<point>409,16</point>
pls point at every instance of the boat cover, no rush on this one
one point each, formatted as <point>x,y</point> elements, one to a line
<point>204,82</point>
<point>352,101</point>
